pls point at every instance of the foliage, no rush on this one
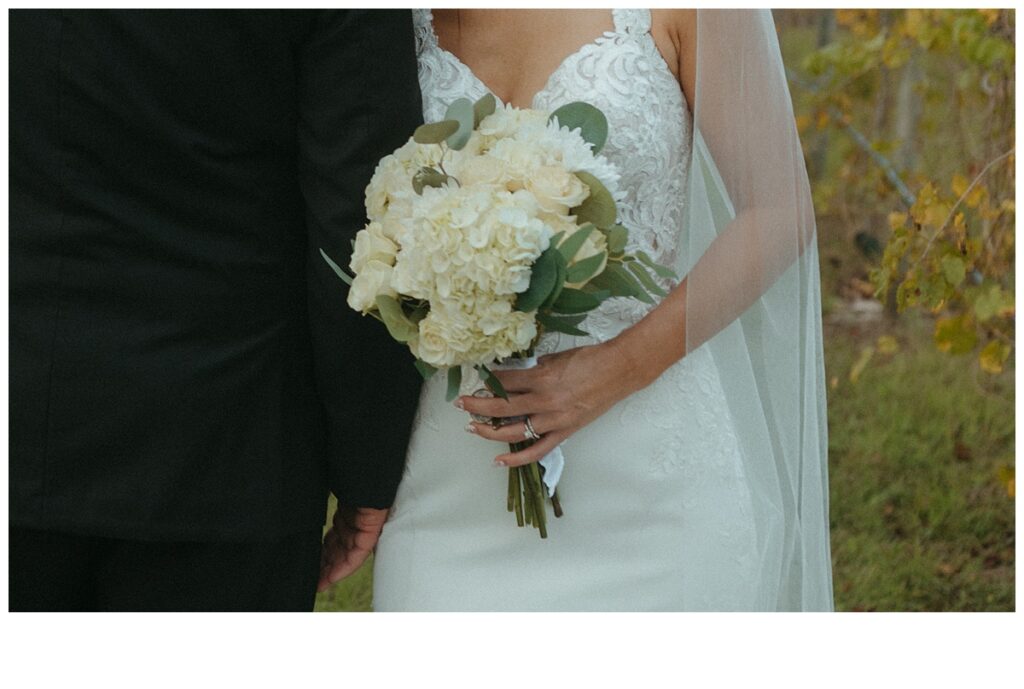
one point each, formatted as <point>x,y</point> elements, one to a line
<point>925,159</point>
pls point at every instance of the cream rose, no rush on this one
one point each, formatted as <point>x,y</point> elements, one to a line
<point>372,245</point>
<point>373,280</point>
<point>556,189</point>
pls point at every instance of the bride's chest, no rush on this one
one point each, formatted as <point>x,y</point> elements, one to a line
<point>623,75</point>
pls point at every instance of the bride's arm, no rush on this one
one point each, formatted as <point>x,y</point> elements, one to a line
<point>570,389</point>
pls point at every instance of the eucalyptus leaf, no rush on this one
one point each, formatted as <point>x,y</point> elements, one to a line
<point>617,238</point>
<point>620,283</point>
<point>454,383</point>
<point>400,327</point>
<point>576,301</point>
<point>560,325</point>
<point>492,382</point>
<point>562,269</point>
<point>599,206</point>
<point>585,269</point>
<point>591,122</point>
<point>570,246</point>
<point>435,132</point>
<point>542,282</point>
<point>645,279</point>
<point>428,177</point>
<point>345,277</point>
<point>482,108</point>
<point>425,369</point>
<point>659,269</point>
<point>461,111</point>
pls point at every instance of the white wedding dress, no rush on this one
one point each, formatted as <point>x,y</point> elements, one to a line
<point>657,504</point>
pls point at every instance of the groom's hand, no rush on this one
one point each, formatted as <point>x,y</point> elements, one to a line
<point>348,542</point>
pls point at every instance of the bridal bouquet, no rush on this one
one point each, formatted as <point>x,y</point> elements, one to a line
<point>486,230</point>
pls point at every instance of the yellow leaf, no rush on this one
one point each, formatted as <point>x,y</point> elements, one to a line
<point>1007,476</point>
<point>959,184</point>
<point>887,344</point>
<point>897,220</point>
<point>802,123</point>
<point>822,119</point>
<point>991,16</point>
<point>976,196</point>
<point>993,356</point>
<point>861,363</point>
<point>955,335</point>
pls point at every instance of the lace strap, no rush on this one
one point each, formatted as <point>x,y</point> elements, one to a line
<point>423,27</point>
<point>635,22</point>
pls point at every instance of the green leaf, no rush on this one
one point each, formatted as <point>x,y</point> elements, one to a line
<point>591,122</point>
<point>620,283</point>
<point>435,132</point>
<point>492,382</point>
<point>617,237</point>
<point>562,269</point>
<point>576,301</point>
<point>645,279</point>
<point>336,268</point>
<point>542,282</point>
<point>425,369</point>
<point>461,111</point>
<point>954,269</point>
<point>659,269</point>
<point>428,177</point>
<point>599,207</point>
<point>570,246</point>
<point>482,108</point>
<point>400,327</point>
<point>454,383</point>
<point>585,269</point>
<point>560,325</point>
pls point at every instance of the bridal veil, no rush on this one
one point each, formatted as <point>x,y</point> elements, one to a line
<point>754,298</point>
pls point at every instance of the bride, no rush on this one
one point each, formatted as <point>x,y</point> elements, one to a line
<point>694,431</point>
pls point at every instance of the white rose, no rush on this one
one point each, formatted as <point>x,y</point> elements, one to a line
<point>482,170</point>
<point>555,189</point>
<point>373,280</point>
<point>372,245</point>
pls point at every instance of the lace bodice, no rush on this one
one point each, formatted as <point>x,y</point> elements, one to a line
<point>622,73</point>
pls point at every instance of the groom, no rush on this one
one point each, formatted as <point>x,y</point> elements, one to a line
<point>186,381</point>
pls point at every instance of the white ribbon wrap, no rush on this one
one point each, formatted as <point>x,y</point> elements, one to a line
<point>554,461</point>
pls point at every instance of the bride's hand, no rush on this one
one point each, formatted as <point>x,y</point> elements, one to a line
<point>561,395</point>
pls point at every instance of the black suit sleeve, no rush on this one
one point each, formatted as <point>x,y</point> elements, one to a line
<point>359,100</point>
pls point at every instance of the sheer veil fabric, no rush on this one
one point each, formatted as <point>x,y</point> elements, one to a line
<point>754,299</point>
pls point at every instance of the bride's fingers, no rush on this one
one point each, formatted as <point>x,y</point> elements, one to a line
<point>514,432</point>
<point>516,405</point>
<point>534,453</point>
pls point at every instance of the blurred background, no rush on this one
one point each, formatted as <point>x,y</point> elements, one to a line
<point>907,122</point>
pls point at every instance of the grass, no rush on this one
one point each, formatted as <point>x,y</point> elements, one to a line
<point>920,517</point>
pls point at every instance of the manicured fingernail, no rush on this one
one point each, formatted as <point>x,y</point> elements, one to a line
<point>499,463</point>
<point>470,428</point>
<point>460,405</point>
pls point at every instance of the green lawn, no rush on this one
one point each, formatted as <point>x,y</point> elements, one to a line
<point>920,517</point>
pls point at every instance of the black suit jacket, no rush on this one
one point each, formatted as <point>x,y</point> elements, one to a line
<point>182,361</point>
